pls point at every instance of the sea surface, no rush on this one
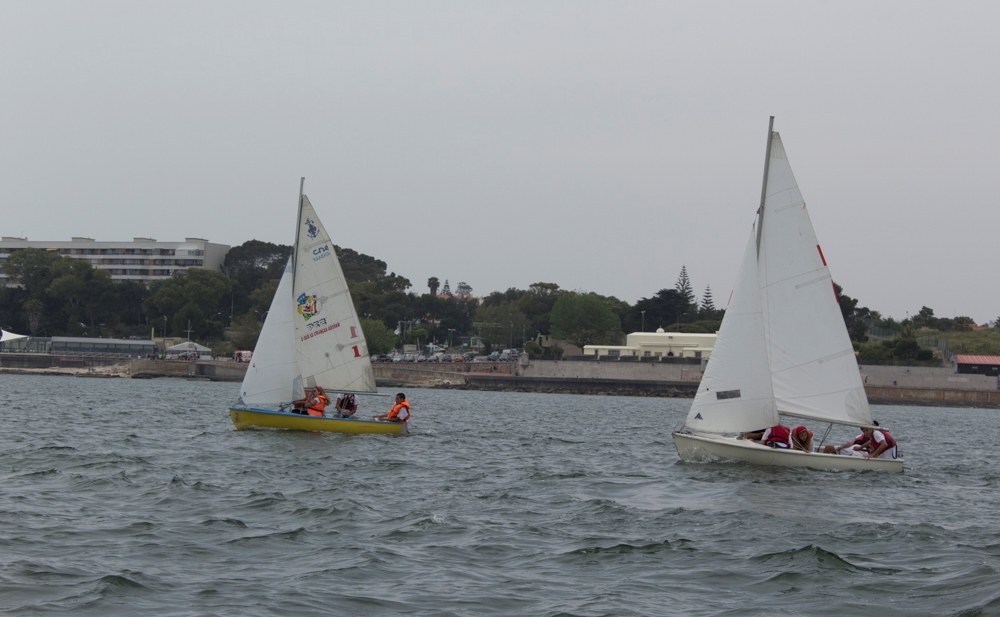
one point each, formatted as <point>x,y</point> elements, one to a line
<point>125,497</point>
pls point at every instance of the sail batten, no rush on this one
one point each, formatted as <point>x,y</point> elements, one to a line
<point>783,338</point>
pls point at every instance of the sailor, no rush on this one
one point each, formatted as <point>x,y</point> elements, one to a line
<point>777,436</point>
<point>346,406</point>
<point>802,439</point>
<point>400,411</point>
<point>858,447</point>
<point>301,405</point>
<point>881,444</point>
<point>318,403</point>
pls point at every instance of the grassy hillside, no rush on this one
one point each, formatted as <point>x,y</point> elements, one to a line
<point>986,342</point>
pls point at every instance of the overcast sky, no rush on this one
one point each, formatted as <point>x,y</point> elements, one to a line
<point>596,145</point>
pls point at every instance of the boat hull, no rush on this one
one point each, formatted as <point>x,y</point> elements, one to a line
<point>250,418</point>
<point>698,447</point>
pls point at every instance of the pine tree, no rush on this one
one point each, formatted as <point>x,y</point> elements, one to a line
<point>706,299</point>
<point>683,286</point>
<point>446,290</point>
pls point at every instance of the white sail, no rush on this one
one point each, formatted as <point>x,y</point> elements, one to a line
<point>735,392</point>
<point>273,371</point>
<point>814,373</point>
<point>330,347</point>
<point>783,347</point>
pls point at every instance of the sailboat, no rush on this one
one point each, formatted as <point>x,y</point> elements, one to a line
<point>783,348</point>
<point>311,337</point>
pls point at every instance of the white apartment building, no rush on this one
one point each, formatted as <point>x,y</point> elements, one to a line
<point>658,344</point>
<point>143,259</point>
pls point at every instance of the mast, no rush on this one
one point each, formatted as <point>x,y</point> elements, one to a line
<point>763,188</point>
<point>298,229</point>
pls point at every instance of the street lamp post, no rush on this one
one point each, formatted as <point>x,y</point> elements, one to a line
<point>643,321</point>
<point>511,335</point>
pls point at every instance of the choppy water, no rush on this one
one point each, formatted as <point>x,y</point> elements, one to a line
<point>122,497</point>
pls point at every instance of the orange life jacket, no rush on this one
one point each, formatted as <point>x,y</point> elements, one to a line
<point>400,412</point>
<point>319,404</point>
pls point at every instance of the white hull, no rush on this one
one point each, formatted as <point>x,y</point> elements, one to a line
<point>697,447</point>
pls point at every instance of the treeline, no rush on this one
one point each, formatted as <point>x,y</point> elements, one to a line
<point>58,295</point>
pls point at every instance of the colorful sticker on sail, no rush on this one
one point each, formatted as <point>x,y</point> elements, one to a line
<point>311,229</point>
<point>308,306</point>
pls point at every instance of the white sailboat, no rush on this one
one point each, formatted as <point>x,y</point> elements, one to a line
<point>311,337</point>
<point>783,348</point>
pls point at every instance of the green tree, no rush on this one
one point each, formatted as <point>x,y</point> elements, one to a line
<point>500,325</point>
<point>433,284</point>
<point>683,286</point>
<point>537,304</point>
<point>379,338</point>
<point>463,290</point>
<point>585,319</point>
<point>244,332</point>
<point>193,295</point>
<point>707,304</point>
<point>253,262</point>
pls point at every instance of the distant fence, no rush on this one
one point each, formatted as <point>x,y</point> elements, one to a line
<point>883,332</point>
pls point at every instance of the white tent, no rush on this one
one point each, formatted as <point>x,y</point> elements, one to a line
<point>190,347</point>
<point>10,336</point>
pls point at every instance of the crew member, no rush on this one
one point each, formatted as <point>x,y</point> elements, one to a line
<point>882,444</point>
<point>400,411</point>
<point>318,403</point>
<point>802,439</point>
<point>346,406</point>
<point>777,436</point>
<point>852,448</point>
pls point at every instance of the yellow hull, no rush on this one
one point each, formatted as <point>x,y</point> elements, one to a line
<point>262,418</point>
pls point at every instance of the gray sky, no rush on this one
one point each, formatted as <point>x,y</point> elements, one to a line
<point>599,146</point>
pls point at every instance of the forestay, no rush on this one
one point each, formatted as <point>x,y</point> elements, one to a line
<point>329,345</point>
<point>273,372</point>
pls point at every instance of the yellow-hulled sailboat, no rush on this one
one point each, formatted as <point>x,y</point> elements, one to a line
<point>311,337</point>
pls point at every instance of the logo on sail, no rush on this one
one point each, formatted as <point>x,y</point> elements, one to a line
<point>311,230</point>
<point>308,306</point>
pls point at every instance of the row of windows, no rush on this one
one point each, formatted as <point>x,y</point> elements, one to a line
<point>146,262</point>
<point>116,251</point>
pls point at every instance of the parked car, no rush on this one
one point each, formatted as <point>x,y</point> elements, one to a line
<point>494,356</point>
<point>457,358</point>
<point>469,356</point>
<point>408,357</point>
<point>421,358</point>
<point>397,358</point>
<point>434,358</point>
<point>446,357</point>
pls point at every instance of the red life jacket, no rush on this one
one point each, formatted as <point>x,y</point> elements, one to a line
<point>889,441</point>
<point>779,434</point>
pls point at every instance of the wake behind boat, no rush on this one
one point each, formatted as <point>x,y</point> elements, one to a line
<point>311,338</point>
<point>783,348</point>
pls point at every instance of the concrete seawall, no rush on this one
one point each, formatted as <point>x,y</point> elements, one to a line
<point>200,369</point>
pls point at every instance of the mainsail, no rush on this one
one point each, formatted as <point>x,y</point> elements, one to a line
<point>273,371</point>
<point>330,347</point>
<point>783,346</point>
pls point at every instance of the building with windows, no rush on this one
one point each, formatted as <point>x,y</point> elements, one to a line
<point>658,344</point>
<point>977,365</point>
<point>143,259</point>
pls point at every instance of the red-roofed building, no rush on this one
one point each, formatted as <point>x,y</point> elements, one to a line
<point>978,365</point>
